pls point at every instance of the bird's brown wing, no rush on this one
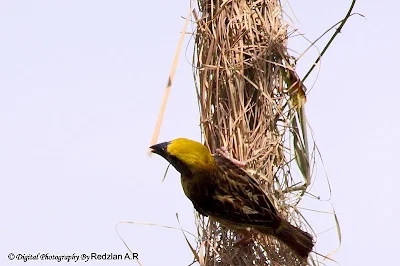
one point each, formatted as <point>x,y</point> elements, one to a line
<point>239,199</point>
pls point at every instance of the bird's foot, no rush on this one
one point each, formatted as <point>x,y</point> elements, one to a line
<point>223,151</point>
<point>243,241</point>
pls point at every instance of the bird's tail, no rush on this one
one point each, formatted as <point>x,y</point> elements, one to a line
<point>299,241</point>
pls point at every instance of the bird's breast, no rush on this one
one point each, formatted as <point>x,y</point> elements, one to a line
<point>198,188</point>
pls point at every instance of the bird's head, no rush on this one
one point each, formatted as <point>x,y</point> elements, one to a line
<point>187,156</point>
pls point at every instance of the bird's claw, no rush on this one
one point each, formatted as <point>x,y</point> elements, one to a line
<point>243,241</point>
<point>223,151</point>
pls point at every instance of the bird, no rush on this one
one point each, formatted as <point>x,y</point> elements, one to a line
<point>220,189</point>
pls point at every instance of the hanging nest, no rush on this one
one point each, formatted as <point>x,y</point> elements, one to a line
<point>251,101</point>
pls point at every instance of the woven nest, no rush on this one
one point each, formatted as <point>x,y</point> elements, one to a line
<point>251,101</point>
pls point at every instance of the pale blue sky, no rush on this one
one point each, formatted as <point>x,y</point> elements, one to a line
<point>80,88</point>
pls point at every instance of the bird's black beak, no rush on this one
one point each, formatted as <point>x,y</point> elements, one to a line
<point>160,149</point>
